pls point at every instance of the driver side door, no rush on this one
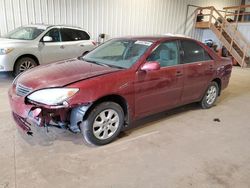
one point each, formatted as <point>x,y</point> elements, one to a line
<point>54,50</point>
<point>160,90</point>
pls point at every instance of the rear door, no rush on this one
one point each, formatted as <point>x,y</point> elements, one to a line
<point>198,69</point>
<point>75,42</point>
<point>159,90</point>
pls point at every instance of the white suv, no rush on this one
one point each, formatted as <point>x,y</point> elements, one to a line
<point>32,45</point>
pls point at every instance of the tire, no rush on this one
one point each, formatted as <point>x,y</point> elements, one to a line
<point>24,64</point>
<point>100,129</point>
<point>210,96</point>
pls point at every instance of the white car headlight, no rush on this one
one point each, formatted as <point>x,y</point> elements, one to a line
<point>53,96</point>
<point>4,51</point>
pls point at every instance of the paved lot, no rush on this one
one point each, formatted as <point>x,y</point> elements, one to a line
<point>182,148</point>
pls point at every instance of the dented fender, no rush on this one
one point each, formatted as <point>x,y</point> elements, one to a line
<point>77,115</point>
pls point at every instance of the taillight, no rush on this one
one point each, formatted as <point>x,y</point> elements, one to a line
<point>94,43</point>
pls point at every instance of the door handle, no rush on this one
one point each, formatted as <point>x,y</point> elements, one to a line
<point>211,67</point>
<point>62,47</point>
<point>178,73</point>
<point>82,45</point>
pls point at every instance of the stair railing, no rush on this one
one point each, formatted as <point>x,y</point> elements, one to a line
<point>228,34</point>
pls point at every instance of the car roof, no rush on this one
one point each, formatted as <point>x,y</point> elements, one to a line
<point>154,38</point>
<point>46,26</point>
<point>40,26</point>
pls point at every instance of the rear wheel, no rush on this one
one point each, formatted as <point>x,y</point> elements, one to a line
<point>103,124</point>
<point>24,64</point>
<point>210,96</point>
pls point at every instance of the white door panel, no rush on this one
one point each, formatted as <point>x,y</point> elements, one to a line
<point>52,51</point>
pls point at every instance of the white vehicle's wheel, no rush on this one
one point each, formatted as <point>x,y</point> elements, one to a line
<point>103,124</point>
<point>24,64</point>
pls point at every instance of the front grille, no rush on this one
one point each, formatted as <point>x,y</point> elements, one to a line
<point>22,90</point>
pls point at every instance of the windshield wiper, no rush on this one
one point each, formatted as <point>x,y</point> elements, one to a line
<point>115,66</point>
<point>94,62</point>
<point>102,64</point>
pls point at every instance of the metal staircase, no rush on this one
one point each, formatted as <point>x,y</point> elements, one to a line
<point>227,33</point>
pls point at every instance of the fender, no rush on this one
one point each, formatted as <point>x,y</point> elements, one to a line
<point>76,117</point>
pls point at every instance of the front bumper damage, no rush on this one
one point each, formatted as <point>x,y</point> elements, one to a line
<point>27,115</point>
<point>42,118</point>
<point>23,124</point>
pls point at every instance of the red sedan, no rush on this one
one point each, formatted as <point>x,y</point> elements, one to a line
<point>121,80</point>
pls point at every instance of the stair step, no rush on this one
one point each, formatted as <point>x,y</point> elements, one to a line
<point>227,33</point>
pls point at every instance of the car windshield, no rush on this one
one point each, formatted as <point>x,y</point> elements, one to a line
<point>118,53</point>
<point>25,33</point>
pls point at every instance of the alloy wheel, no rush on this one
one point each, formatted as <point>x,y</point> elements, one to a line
<point>26,65</point>
<point>106,124</point>
<point>211,95</point>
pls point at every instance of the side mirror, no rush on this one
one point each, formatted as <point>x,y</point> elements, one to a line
<point>151,66</point>
<point>47,39</point>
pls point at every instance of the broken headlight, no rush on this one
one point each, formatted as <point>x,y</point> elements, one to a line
<point>52,96</point>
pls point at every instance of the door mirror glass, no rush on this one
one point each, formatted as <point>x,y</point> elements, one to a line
<point>151,66</point>
<point>47,39</point>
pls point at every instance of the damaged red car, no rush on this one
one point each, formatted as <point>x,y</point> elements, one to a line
<point>120,81</point>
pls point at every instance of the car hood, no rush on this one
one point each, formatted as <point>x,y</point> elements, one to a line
<point>5,42</point>
<point>61,73</point>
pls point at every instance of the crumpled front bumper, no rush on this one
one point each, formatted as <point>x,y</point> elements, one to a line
<point>22,113</point>
<point>27,115</point>
<point>17,103</point>
<point>22,123</point>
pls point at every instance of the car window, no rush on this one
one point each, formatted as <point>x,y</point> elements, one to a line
<point>120,53</point>
<point>73,35</point>
<point>112,51</point>
<point>192,52</point>
<point>54,34</point>
<point>67,35</point>
<point>25,33</point>
<point>81,35</point>
<point>167,54</point>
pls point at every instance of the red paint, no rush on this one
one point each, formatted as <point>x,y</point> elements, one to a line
<point>145,91</point>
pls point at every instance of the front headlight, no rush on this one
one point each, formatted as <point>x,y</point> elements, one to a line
<point>53,96</point>
<point>4,51</point>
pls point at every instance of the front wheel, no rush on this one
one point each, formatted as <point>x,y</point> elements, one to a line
<point>103,124</point>
<point>210,96</point>
<point>24,64</point>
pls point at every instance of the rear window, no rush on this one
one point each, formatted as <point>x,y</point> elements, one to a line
<point>193,52</point>
<point>74,35</point>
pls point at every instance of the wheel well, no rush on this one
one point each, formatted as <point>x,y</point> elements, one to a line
<point>27,55</point>
<point>218,81</point>
<point>84,53</point>
<point>112,98</point>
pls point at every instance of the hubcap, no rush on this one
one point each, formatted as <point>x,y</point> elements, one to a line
<point>211,95</point>
<point>106,124</point>
<point>26,65</point>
